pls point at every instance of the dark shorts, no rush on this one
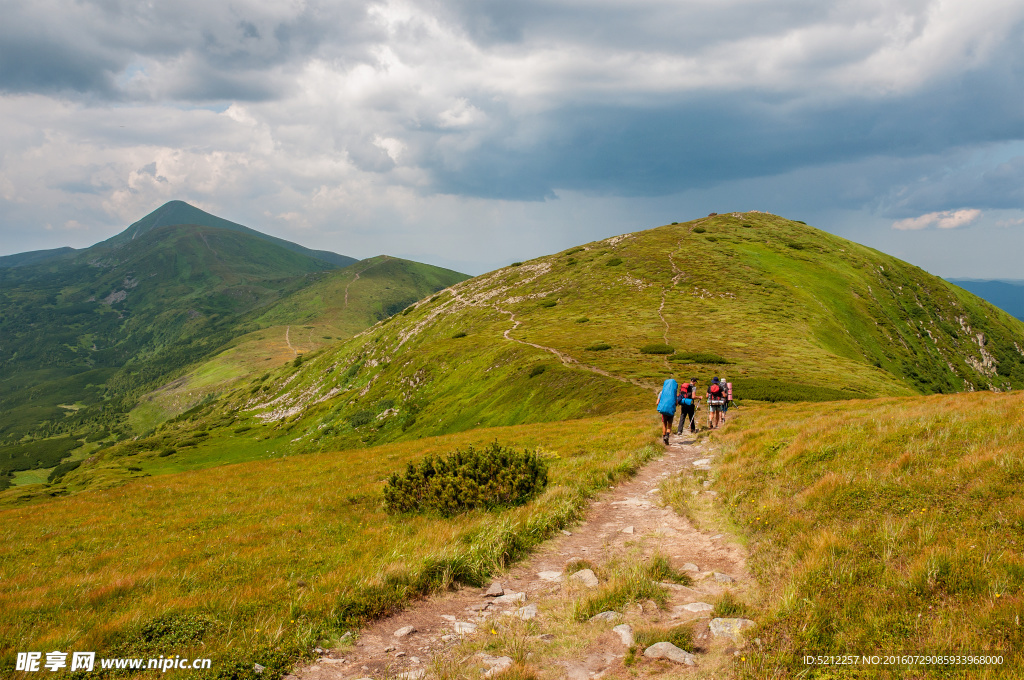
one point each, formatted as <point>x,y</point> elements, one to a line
<point>666,418</point>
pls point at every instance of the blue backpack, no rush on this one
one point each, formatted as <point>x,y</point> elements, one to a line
<point>667,400</point>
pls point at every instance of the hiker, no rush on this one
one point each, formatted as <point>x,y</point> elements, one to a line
<point>716,401</point>
<point>728,398</point>
<point>667,406</point>
<point>688,401</point>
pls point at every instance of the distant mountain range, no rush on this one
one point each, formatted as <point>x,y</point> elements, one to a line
<point>1008,295</point>
<point>84,333</point>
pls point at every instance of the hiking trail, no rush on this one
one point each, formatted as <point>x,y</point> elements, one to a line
<point>446,633</point>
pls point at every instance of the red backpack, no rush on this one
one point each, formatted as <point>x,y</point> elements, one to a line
<point>716,392</point>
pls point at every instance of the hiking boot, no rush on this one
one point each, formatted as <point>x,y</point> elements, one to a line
<point>666,439</point>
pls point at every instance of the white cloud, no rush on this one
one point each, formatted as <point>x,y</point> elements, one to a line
<point>946,219</point>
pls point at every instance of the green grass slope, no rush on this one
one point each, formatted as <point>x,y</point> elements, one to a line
<point>795,314</point>
<point>175,213</point>
<point>333,307</point>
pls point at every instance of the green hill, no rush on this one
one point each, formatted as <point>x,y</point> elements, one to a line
<point>178,212</point>
<point>783,311</point>
<point>85,334</point>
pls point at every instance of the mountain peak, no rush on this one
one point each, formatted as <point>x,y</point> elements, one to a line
<point>177,212</point>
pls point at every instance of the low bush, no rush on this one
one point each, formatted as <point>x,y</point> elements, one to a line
<point>360,418</point>
<point>516,264</point>
<point>598,347</point>
<point>699,358</point>
<point>699,230</point>
<point>495,477</point>
<point>657,348</point>
<point>58,472</point>
<point>537,370</point>
<point>614,262</point>
<point>583,319</point>
<point>548,303</point>
<point>460,334</point>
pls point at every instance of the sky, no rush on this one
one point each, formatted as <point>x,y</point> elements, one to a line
<point>472,133</point>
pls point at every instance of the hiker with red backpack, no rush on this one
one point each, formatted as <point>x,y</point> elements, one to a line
<point>717,398</point>
<point>688,401</point>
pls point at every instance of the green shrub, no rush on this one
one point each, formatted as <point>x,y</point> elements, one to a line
<point>360,418</point>
<point>579,249</point>
<point>537,370</point>
<point>764,389</point>
<point>657,348</point>
<point>614,262</point>
<point>747,226</point>
<point>583,319</point>
<point>599,347</point>
<point>170,451</point>
<point>408,309</point>
<point>516,264</point>
<point>243,428</point>
<point>699,230</point>
<point>548,303</point>
<point>57,473</point>
<point>794,245</point>
<point>495,477</point>
<point>700,358</point>
<point>799,222</point>
<point>298,361</point>
<point>661,569</point>
<point>460,334</point>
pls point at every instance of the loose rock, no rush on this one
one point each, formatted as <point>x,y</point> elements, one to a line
<point>587,577</point>
<point>404,631</point>
<point>697,607</point>
<point>552,576</point>
<point>526,613</point>
<point>496,590</point>
<point>496,664</point>
<point>627,530</point>
<point>723,578</point>
<point>690,566</point>
<point>730,628</point>
<point>511,598</point>
<point>667,650</point>
<point>625,633</point>
<point>605,616</point>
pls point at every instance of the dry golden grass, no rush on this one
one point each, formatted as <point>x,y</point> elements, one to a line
<point>276,554</point>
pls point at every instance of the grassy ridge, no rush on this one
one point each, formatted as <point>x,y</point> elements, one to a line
<point>883,526</point>
<point>785,311</point>
<point>257,562</point>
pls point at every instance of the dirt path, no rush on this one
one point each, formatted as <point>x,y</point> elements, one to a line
<point>287,340</point>
<point>625,523</point>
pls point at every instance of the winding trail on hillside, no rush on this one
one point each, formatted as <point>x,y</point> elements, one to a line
<point>566,359</point>
<point>625,522</point>
<point>287,339</point>
<point>356,278</point>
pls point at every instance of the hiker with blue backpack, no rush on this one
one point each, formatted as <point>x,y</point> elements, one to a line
<point>667,406</point>
<point>688,401</point>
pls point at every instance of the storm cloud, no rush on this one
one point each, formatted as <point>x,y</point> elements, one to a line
<point>444,128</point>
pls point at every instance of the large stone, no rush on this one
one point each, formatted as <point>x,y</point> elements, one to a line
<point>587,577</point>
<point>495,664</point>
<point>702,462</point>
<point>526,613</point>
<point>667,650</point>
<point>511,598</point>
<point>628,530</point>
<point>723,578</point>
<point>552,576</point>
<point>496,590</point>
<point>625,633</point>
<point>730,628</point>
<point>605,616</point>
<point>697,607</point>
<point>690,566</point>
<point>403,631</point>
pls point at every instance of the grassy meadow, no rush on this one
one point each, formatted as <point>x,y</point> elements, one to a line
<point>257,562</point>
<point>890,525</point>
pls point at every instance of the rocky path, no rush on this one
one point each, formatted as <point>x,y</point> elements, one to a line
<point>466,634</point>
